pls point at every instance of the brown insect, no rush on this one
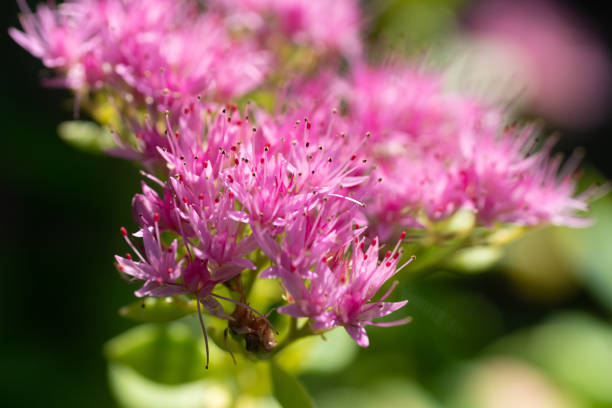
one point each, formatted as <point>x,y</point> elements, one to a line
<point>258,335</point>
<point>257,331</point>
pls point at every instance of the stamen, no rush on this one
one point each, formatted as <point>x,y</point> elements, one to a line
<point>127,239</point>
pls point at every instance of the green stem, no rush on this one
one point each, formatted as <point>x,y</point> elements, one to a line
<point>295,334</point>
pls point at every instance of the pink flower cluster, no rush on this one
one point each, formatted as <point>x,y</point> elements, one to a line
<point>326,26</point>
<point>290,188</point>
<point>149,52</point>
<point>437,152</point>
<point>384,146</point>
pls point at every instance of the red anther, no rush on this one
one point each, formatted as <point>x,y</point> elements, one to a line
<point>293,268</point>
<point>236,161</point>
<point>388,254</point>
<point>261,160</point>
<point>365,256</point>
<point>356,240</point>
<point>388,264</point>
<point>231,195</point>
<point>229,119</point>
<point>356,226</point>
<point>123,231</point>
<point>353,157</point>
<point>205,164</point>
<point>324,260</point>
<point>128,256</point>
<point>186,111</point>
<point>201,196</point>
<point>362,246</point>
<point>170,270</point>
<point>159,281</point>
<point>209,110</point>
<point>396,255</point>
<point>403,235</point>
<point>230,178</point>
<point>374,241</point>
<point>217,200</point>
<point>156,217</point>
<point>177,134</point>
<point>238,123</point>
<point>180,177</point>
<point>185,200</point>
<point>308,125</point>
<point>120,267</point>
<point>233,148</point>
<point>139,136</point>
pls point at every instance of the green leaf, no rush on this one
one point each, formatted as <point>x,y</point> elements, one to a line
<point>317,355</point>
<point>387,392</point>
<point>158,310</point>
<point>289,392</point>
<point>87,136</point>
<point>574,349</point>
<point>132,390</point>
<point>503,381</point>
<point>475,259</point>
<point>164,353</point>
<point>588,250</point>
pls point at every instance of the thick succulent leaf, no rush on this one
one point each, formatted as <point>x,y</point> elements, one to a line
<point>87,136</point>
<point>163,353</point>
<point>158,310</point>
<point>289,392</point>
<point>132,390</point>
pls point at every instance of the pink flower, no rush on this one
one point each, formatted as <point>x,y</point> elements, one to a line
<point>341,291</point>
<point>326,26</point>
<point>436,152</point>
<point>159,267</point>
<point>150,52</point>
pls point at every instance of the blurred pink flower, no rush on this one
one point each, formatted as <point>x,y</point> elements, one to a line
<point>327,26</point>
<point>568,71</point>
<point>154,52</point>
<point>436,152</point>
